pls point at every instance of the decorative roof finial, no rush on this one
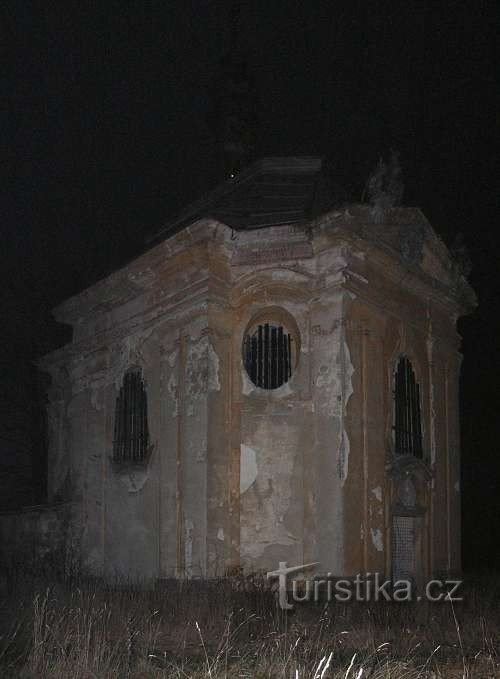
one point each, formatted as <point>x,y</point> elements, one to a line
<point>385,187</point>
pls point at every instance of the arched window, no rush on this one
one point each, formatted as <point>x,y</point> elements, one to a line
<point>131,436</point>
<point>407,424</point>
<point>269,354</point>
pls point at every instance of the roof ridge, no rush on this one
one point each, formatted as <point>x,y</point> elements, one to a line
<point>206,205</point>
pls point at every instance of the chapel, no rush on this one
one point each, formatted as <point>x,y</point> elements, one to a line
<point>275,379</point>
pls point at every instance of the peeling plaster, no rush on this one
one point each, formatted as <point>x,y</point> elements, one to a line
<point>197,369</point>
<point>97,399</point>
<point>134,480</point>
<point>172,358</point>
<point>248,467</point>
<point>378,493</point>
<point>325,377</point>
<point>202,370</point>
<point>333,376</point>
<point>213,369</point>
<point>188,546</point>
<point>246,387</point>
<point>269,482</point>
<point>288,275</point>
<point>343,461</point>
<point>130,353</point>
<point>172,390</point>
<point>346,372</point>
<point>377,541</point>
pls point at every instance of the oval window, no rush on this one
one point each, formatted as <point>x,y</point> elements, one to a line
<point>269,353</point>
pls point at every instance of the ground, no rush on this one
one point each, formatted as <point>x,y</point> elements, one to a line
<point>83,628</point>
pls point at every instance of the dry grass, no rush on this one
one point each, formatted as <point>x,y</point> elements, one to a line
<point>83,629</point>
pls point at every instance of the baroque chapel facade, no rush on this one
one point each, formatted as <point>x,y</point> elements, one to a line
<point>273,380</point>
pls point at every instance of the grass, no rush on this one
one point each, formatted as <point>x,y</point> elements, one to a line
<point>84,628</point>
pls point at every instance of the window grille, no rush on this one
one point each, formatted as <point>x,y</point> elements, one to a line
<point>407,423</point>
<point>268,355</point>
<point>131,435</point>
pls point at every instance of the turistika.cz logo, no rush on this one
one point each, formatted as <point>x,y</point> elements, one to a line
<point>368,587</point>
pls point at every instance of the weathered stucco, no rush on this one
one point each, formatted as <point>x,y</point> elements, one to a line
<point>239,476</point>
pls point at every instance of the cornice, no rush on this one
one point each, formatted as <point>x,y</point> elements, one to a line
<point>457,297</point>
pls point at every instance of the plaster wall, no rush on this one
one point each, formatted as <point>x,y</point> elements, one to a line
<point>384,321</point>
<point>242,477</point>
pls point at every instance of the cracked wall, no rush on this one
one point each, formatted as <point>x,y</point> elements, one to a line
<point>240,476</point>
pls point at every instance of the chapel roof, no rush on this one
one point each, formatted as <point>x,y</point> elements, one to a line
<point>269,192</point>
<point>277,191</point>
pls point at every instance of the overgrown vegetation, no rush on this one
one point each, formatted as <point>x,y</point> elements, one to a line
<point>83,628</point>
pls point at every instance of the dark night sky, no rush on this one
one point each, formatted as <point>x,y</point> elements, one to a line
<point>106,134</point>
